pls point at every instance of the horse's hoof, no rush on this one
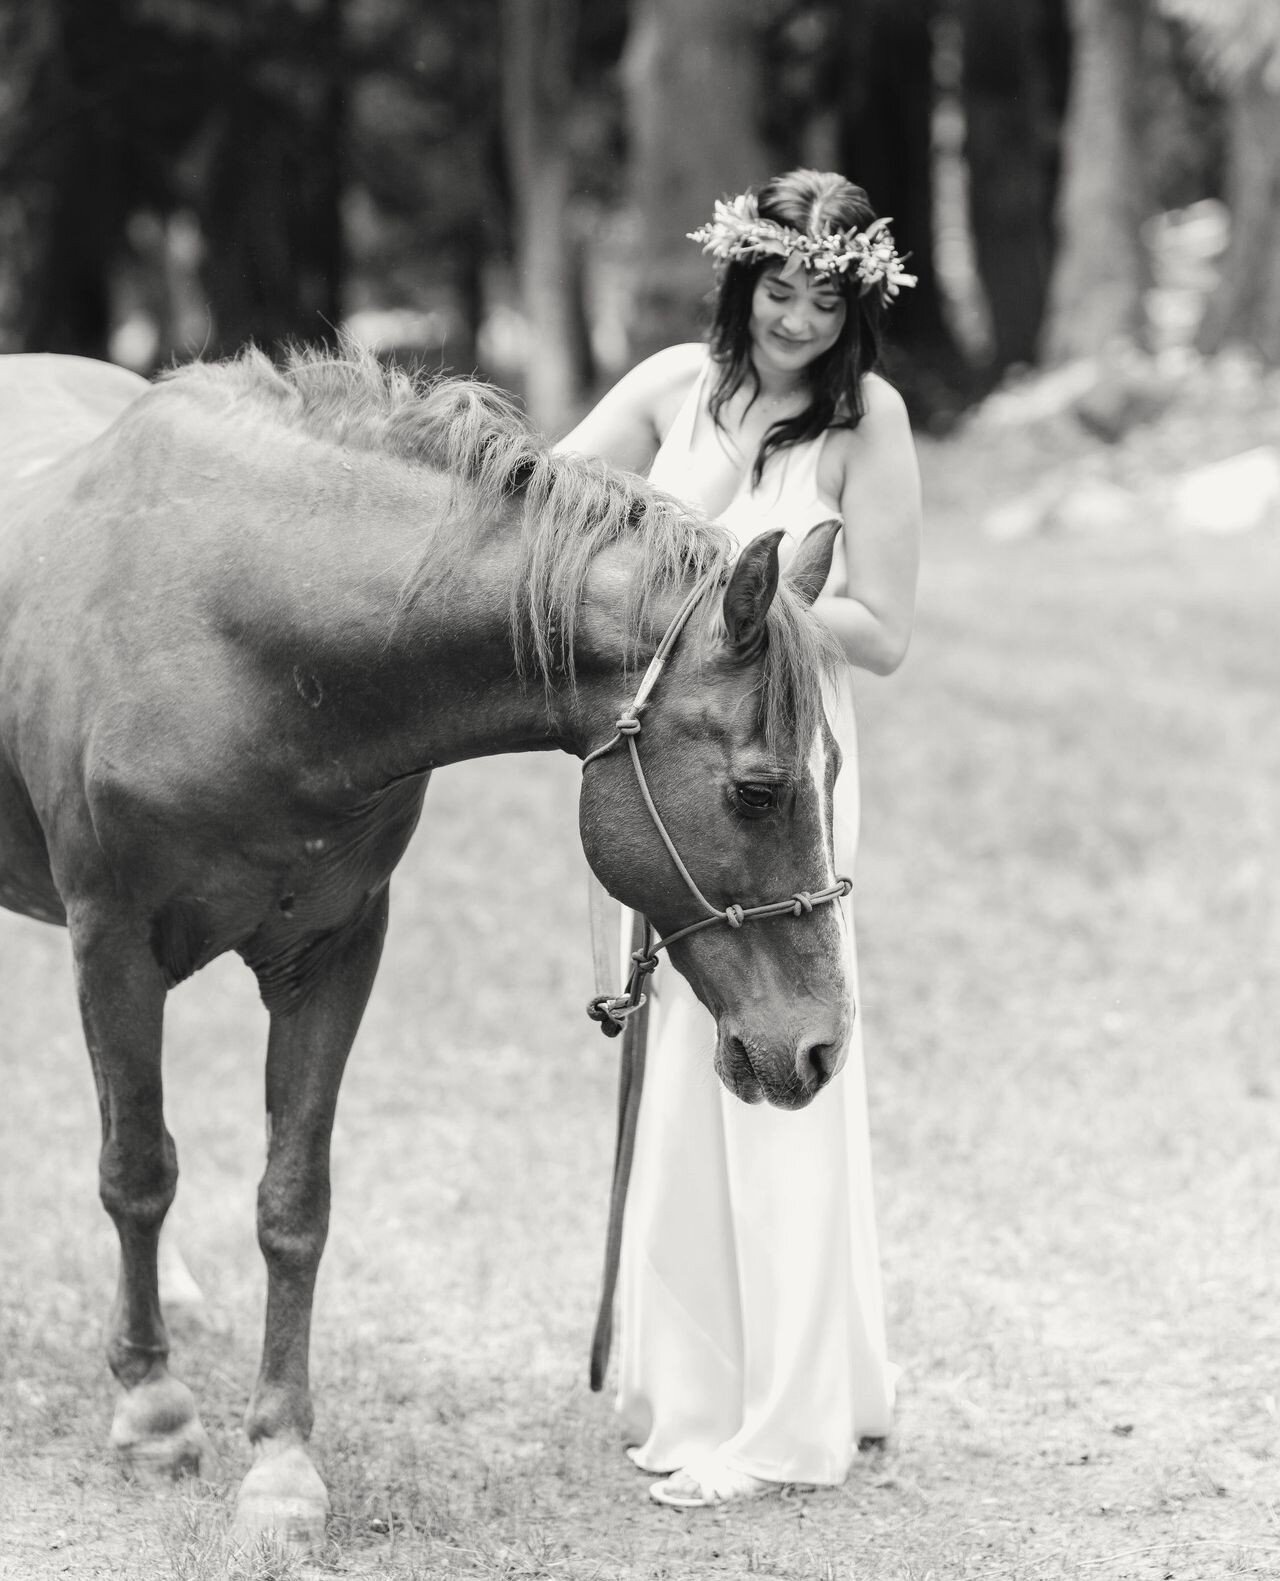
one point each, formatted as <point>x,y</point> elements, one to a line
<point>157,1433</point>
<point>282,1498</point>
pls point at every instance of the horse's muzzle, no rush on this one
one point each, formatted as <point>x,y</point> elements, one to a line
<point>787,1073</point>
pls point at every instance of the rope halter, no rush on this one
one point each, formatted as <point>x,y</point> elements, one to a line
<point>612,1011</point>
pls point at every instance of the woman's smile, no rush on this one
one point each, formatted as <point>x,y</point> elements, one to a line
<point>799,316</point>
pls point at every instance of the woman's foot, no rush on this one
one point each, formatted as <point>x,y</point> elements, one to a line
<point>704,1484</point>
<point>632,1453</point>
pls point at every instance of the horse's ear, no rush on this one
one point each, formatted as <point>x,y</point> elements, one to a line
<point>810,565</point>
<point>750,592</point>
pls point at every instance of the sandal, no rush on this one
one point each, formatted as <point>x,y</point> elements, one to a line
<point>704,1484</point>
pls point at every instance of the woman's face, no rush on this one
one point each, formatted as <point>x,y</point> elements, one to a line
<point>794,320</point>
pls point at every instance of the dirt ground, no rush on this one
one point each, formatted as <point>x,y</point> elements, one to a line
<point>1071,965</point>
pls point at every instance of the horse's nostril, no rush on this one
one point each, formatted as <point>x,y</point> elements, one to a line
<point>817,1064</point>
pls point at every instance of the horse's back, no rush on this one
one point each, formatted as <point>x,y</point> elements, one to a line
<point>51,405</point>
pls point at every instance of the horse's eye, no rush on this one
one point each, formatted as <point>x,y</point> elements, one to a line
<point>756,799</point>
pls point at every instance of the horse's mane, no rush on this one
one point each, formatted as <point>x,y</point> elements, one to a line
<point>569,507</point>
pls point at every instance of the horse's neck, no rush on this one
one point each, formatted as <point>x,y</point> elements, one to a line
<point>433,675</point>
<point>610,654</point>
<point>520,709</point>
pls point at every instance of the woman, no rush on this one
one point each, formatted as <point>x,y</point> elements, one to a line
<point>751,1325</point>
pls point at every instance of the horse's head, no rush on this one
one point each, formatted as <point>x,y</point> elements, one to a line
<point>739,762</point>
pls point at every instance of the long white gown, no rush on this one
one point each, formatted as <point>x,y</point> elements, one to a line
<point>749,1299</point>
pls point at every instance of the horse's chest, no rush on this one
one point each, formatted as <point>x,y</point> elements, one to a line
<point>283,899</point>
<point>26,885</point>
<point>334,875</point>
<point>335,865</point>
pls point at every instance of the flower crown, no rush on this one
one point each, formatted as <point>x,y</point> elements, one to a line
<point>737,234</point>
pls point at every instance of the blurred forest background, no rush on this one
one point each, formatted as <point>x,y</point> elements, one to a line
<point>504,186</point>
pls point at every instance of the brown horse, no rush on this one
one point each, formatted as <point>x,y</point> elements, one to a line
<point>244,612</point>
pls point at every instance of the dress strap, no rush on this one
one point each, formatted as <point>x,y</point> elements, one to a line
<point>666,469</point>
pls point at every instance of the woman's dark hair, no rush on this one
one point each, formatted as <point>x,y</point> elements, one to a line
<point>809,201</point>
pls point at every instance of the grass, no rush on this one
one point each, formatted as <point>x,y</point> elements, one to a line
<point>1071,957</point>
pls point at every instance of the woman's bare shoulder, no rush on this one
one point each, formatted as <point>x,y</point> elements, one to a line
<point>880,446</point>
<point>884,420</point>
<point>669,372</point>
<point>655,388</point>
<point>883,409</point>
<point>629,421</point>
<point>883,399</point>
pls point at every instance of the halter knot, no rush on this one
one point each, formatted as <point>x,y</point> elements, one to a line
<point>735,916</point>
<point>644,963</point>
<point>803,902</point>
<point>628,725</point>
<point>603,1010</point>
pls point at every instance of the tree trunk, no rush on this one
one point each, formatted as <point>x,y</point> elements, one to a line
<point>1013,88</point>
<point>469,258</point>
<point>691,72</point>
<point>331,251</point>
<point>1101,272</point>
<point>885,145</point>
<point>270,206</point>
<point>1245,309</point>
<point>537,55</point>
<point>61,172</point>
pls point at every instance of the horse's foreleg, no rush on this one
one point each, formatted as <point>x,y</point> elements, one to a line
<point>122,996</point>
<point>308,1048</point>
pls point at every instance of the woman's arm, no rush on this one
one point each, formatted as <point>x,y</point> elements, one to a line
<point>880,503</point>
<point>627,424</point>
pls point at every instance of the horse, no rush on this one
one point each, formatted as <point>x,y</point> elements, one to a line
<point>245,611</point>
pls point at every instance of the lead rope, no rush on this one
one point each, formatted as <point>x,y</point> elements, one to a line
<point>629,1014</point>
<point>635,1039</point>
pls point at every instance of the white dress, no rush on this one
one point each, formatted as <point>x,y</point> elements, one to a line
<point>750,1311</point>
